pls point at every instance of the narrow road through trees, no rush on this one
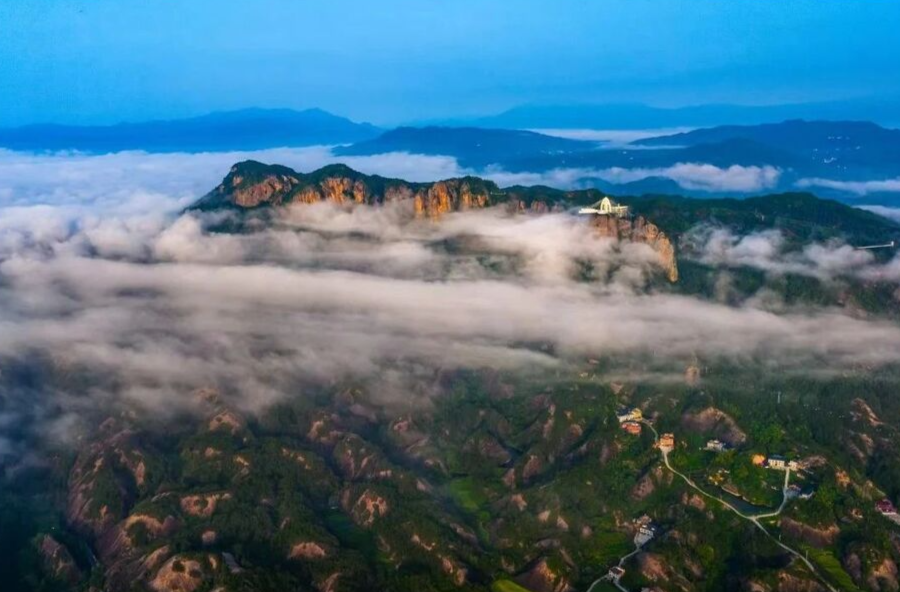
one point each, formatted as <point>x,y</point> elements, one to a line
<point>755,518</point>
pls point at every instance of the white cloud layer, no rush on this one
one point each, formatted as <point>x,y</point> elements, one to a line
<point>887,212</point>
<point>692,176</point>
<point>103,282</point>
<point>767,251</point>
<point>613,137</point>
<point>857,187</point>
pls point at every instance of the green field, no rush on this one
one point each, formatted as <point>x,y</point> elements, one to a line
<point>832,569</point>
<point>507,586</point>
<point>467,494</point>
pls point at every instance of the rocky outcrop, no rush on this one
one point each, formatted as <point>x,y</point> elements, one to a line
<point>883,577</point>
<point>541,578</point>
<point>228,421</point>
<point>178,574</point>
<point>791,583</point>
<point>202,505</point>
<point>269,190</point>
<point>715,422</point>
<point>307,550</point>
<point>454,195</point>
<point>817,537</point>
<point>655,568</point>
<point>252,185</point>
<point>104,480</point>
<point>639,230</point>
<point>58,562</point>
<point>366,508</point>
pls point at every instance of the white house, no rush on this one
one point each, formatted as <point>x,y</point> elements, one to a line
<point>716,446</point>
<point>776,462</point>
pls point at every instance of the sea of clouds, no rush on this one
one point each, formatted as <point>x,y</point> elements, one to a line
<point>105,279</point>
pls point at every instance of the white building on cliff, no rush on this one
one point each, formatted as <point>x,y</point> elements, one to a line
<point>605,207</point>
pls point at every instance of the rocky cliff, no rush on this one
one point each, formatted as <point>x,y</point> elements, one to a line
<point>639,230</point>
<point>252,185</point>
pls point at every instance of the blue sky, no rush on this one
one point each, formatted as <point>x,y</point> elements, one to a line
<point>91,61</point>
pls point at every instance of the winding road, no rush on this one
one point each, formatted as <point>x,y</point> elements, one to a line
<point>755,518</point>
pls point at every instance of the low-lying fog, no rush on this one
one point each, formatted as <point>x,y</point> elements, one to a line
<point>111,298</point>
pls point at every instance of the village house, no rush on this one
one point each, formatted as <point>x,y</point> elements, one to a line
<point>758,460</point>
<point>629,415</point>
<point>887,509</point>
<point>885,506</point>
<point>716,446</point>
<point>632,427</point>
<point>616,573</point>
<point>779,463</point>
<point>646,530</point>
<point>667,442</point>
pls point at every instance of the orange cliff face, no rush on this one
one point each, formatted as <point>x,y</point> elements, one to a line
<point>444,197</point>
<point>268,191</point>
<point>252,185</point>
<point>639,230</point>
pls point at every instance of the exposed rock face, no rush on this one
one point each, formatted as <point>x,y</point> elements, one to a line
<point>252,184</point>
<point>654,568</point>
<point>307,550</point>
<point>58,561</point>
<point>366,508</point>
<point>178,574</point>
<point>640,230</point>
<point>883,577</point>
<point>113,464</point>
<point>269,190</point>
<point>862,412</point>
<point>454,195</point>
<point>227,421</point>
<point>541,578</point>
<point>717,422</point>
<point>791,583</point>
<point>202,505</point>
<point>817,537</point>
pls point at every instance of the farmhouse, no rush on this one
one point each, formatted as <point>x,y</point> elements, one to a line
<point>716,446</point>
<point>667,442</point>
<point>629,415</point>
<point>632,427</point>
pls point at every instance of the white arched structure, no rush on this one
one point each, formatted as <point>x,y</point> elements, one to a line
<point>605,207</point>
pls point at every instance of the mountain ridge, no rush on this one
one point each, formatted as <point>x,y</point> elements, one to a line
<point>642,116</point>
<point>244,129</point>
<point>471,146</point>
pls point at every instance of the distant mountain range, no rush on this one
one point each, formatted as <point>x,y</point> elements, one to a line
<point>826,144</point>
<point>626,116</point>
<point>836,159</point>
<point>801,151</point>
<point>248,129</point>
<point>472,147</point>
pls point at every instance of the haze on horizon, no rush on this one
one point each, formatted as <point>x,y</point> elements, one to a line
<point>104,61</point>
